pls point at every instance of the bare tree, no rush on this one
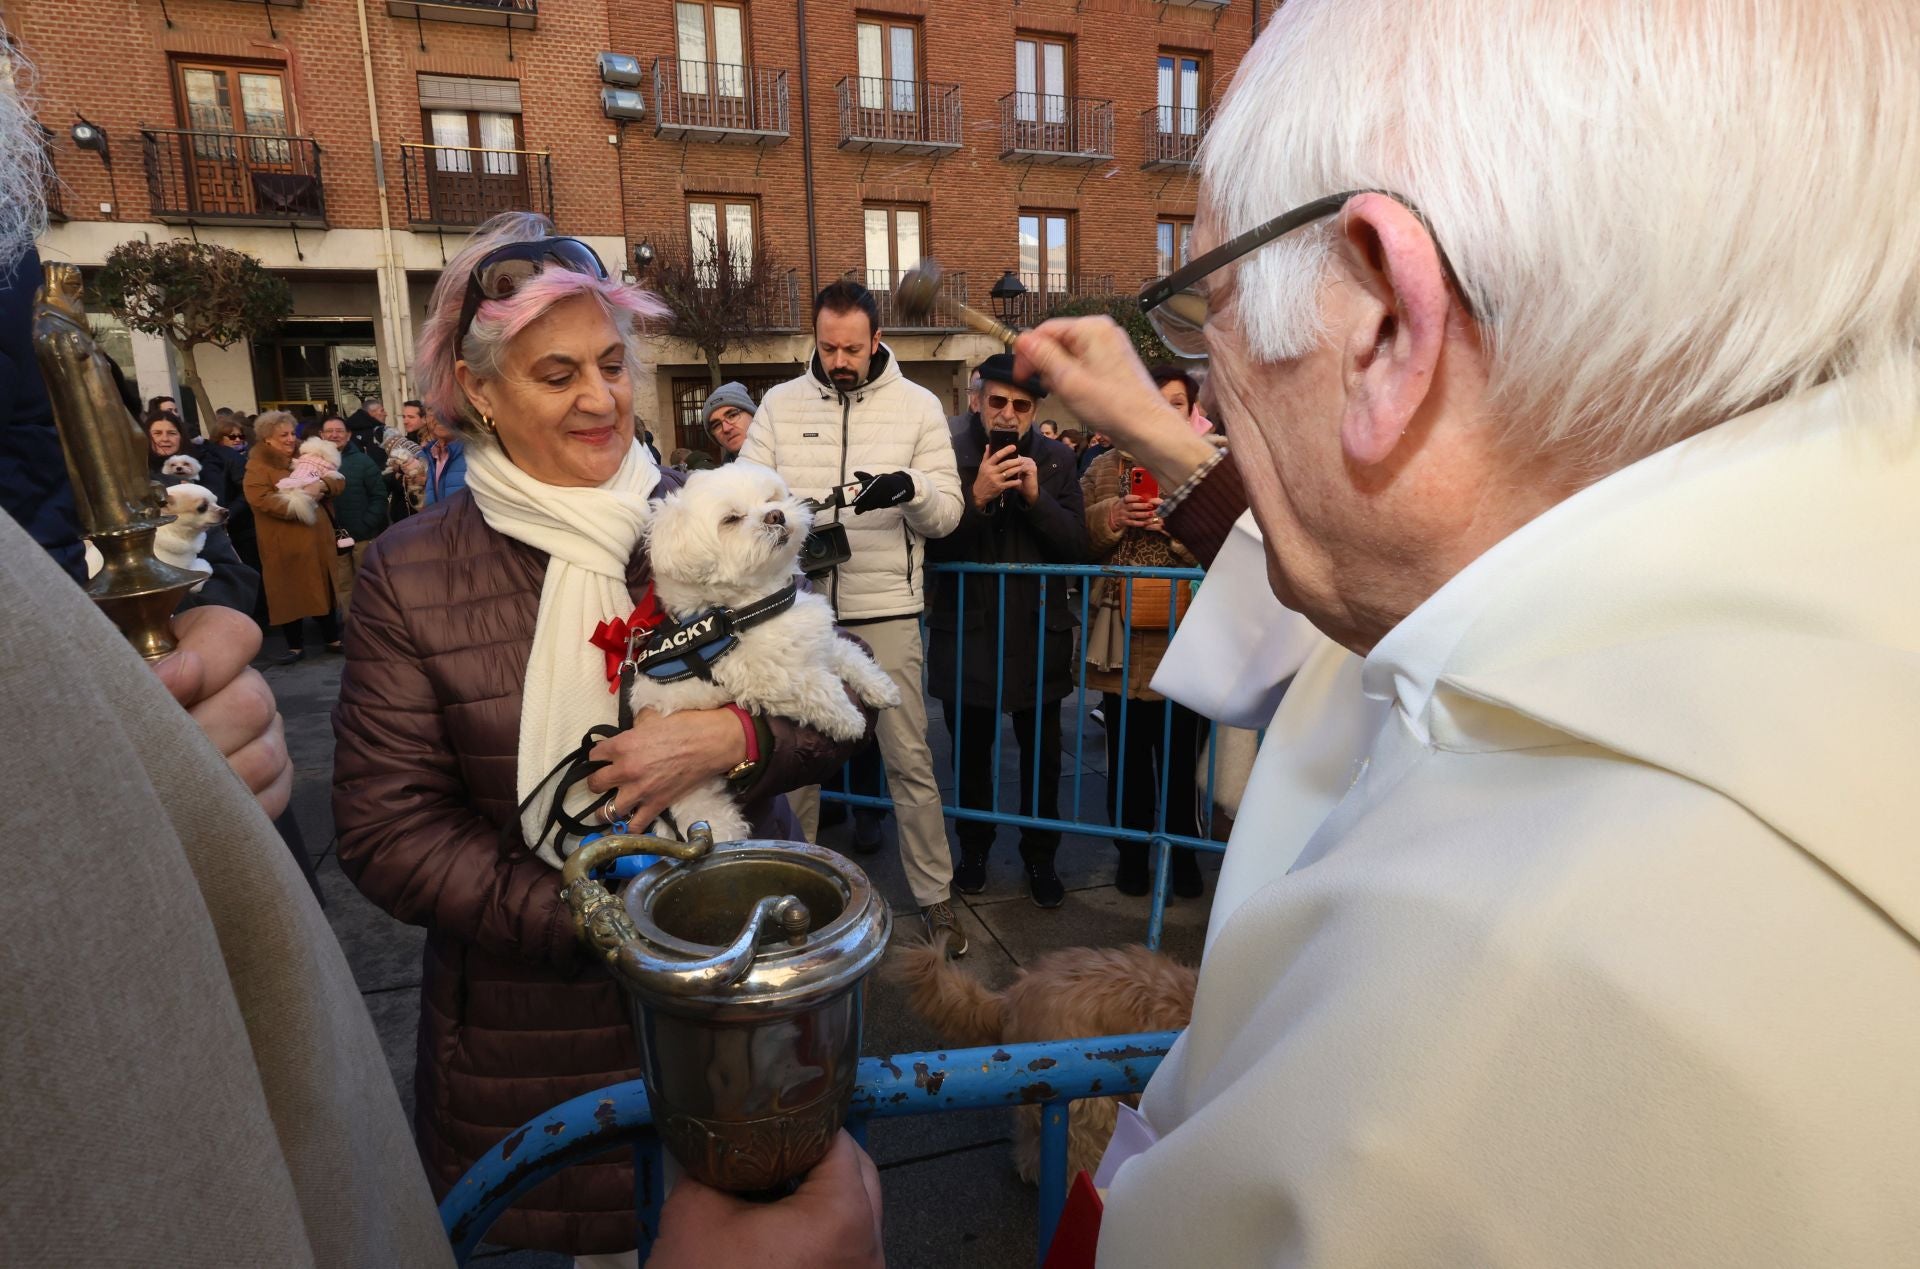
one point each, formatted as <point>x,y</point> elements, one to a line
<point>192,293</point>
<point>721,299</point>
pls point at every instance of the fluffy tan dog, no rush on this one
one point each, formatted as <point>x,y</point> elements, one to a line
<point>1065,995</point>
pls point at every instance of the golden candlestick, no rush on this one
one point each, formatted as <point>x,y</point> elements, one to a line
<point>107,459</point>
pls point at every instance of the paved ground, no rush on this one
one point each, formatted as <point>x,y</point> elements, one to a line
<point>952,1198</point>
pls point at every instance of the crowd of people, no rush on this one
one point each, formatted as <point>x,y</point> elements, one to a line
<point>1561,533</point>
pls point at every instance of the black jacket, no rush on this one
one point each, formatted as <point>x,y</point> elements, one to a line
<point>1051,531</point>
<point>33,470</point>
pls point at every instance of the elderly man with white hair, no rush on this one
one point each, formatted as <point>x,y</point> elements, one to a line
<point>1570,357</point>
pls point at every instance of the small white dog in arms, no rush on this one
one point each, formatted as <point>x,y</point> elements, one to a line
<point>181,466</point>
<point>301,489</point>
<point>729,543</point>
<point>179,543</point>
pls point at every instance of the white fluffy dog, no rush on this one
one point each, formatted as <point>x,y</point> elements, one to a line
<point>301,489</point>
<point>729,539</point>
<point>183,466</point>
<point>194,510</point>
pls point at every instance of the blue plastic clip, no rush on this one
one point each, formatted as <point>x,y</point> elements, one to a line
<point>627,866</point>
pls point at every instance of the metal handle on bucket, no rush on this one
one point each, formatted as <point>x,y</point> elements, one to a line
<point>603,922</point>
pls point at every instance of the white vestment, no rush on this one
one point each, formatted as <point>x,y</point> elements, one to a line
<point>1611,954</point>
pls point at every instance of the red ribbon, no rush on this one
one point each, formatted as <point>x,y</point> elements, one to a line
<point>611,636</point>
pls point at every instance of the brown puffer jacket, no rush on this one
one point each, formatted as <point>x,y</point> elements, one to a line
<point>427,731</point>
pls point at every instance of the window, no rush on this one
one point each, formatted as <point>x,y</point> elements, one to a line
<point>475,167</point>
<point>889,64</point>
<point>1175,244</point>
<point>1046,252</point>
<point>896,239</point>
<point>690,430</point>
<point>1040,68</point>
<point>711,38</point>
<point>720,229</point>
<point>1180,93</point>
<point>230,160</point>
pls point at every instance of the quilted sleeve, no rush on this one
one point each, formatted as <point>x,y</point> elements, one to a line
<point>409,839</point>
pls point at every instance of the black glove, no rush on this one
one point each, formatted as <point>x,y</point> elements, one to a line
<point>888,489</point>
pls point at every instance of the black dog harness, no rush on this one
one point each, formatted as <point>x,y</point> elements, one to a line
<point>689,650</point>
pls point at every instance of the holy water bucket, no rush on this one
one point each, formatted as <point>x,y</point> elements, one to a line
<point>744,966</point>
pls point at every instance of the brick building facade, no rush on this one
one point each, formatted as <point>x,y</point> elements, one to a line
<point>350,145</point>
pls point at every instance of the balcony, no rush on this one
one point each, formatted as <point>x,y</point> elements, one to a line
<point>1172,137</point>
<point>200,177</point>
<point>880,281</point>
<point>521,15</point>
<point>1063,131</point>
<point>458,187</point>
<point>899,116</point>
<point>50,187</point>
<point>1048,291</point>
<point>713,101</point>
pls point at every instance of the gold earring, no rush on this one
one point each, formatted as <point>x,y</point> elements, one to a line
<point>486,423</point>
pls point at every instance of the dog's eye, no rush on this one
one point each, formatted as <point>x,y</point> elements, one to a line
<point>735,518</point>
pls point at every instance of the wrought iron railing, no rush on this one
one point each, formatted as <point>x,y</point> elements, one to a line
<point>50,186</point>
<point>1044,128</point>
<point>523,14</point>
<point>461,186</point>
<point>881,282</point>
<point>715,101</point>
<point>1171,136</point>
<point>193,174</point>
<point>1048,291</point>
<point>899,116</point>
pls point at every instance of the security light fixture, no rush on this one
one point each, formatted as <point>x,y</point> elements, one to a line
<point>619,68</point>
<point>626,104</point>
<point>642,255</point>
<point>91,136</point>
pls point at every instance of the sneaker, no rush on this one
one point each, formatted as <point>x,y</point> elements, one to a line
<point>1043,883</point>
<point>940,920</point>
<point>970,875</point>
<point>1098,715</point>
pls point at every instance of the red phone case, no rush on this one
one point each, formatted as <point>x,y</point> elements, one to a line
<point>1142,485</point>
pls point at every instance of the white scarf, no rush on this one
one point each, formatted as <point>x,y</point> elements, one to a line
<point>589,536</point>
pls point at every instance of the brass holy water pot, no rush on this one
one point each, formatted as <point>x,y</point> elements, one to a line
<point>744,966</point>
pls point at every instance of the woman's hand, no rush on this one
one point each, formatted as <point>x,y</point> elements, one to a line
<point>1090,363</point>
<point>1131,512</point>
<point>663,757</point>
<point>831,1222</point>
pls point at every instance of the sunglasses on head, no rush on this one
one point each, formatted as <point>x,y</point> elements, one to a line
<point>504,270</point>
<point>998,402</point>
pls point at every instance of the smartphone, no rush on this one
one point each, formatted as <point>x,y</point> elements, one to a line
<point>1001,437</point>
<point>1141,484</point>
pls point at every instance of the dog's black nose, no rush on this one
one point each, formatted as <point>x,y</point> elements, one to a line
<point>776,516</point>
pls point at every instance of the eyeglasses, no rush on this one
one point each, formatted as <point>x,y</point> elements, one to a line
<point>722,417</point>
<point>1177,307</point>
<point>998,402</point>
<point>504,270</point>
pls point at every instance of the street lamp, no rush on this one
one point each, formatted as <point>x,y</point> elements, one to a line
<point>642,255</point>
<point>1006,295</point>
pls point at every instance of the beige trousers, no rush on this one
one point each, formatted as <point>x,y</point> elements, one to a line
<point>902,733</point>
<point>345,569</point>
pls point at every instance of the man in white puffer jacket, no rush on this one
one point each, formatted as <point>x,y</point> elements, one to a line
<point>855,418</point>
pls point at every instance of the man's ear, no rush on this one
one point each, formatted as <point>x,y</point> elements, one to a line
<point>1397,324</point>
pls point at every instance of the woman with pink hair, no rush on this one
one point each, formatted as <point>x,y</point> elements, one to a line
<point>478,657</point>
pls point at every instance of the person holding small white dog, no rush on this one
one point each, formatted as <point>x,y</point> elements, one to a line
<point>485,645</point>
<point>296,555</point>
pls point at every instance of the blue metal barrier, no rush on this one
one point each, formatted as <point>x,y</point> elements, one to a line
<point>1155,836</point>
<point>1048,1075</point>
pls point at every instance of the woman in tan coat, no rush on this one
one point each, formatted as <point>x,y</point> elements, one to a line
<point>1125,529</point>
<point>296,559</point>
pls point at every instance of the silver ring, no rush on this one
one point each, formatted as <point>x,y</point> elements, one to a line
<point>608,815</point>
